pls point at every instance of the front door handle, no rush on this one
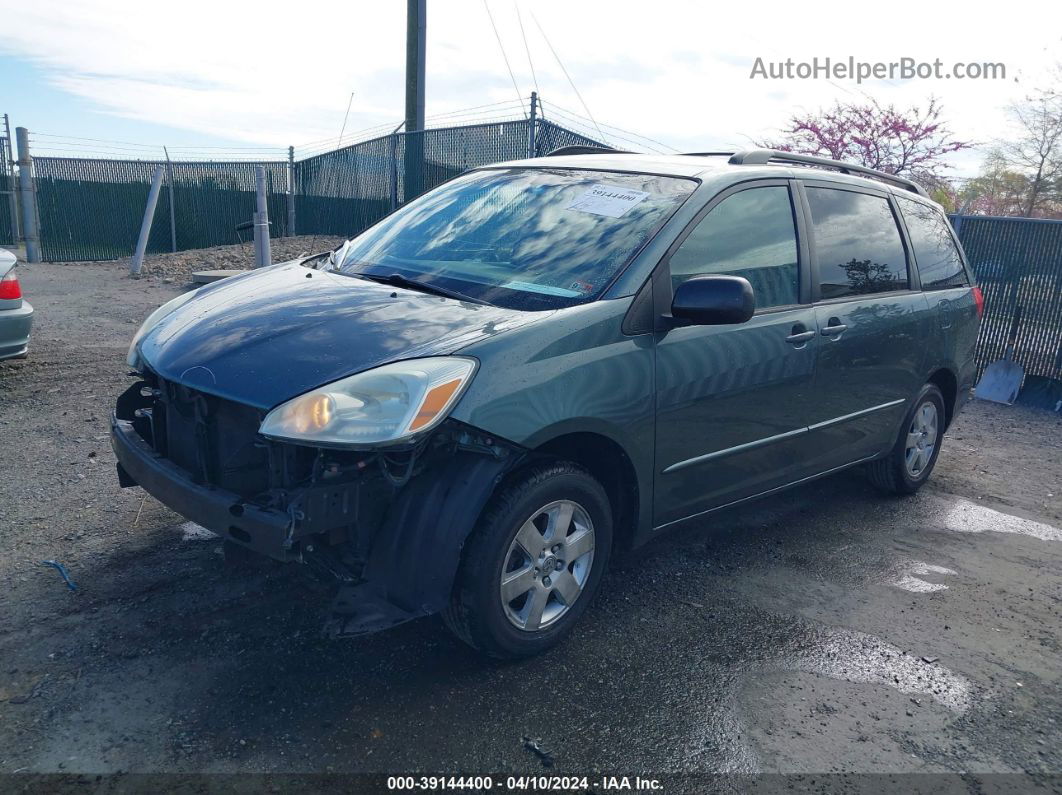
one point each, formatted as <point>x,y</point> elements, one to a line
<point>833,329</point>
<point>799,337</point>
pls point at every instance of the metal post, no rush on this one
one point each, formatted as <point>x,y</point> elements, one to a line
<point>531,124</point>
<point>291,191</point>
<point>173,219</point>
<point>416,41</point>
<point>145,225</point>
<point>12,189</point>
<point>394,171</point>
<point>30,231</point>
<point>262,254</point>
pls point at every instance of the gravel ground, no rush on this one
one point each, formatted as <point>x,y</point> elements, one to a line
<point>178,267</point>
<point>826,629</point>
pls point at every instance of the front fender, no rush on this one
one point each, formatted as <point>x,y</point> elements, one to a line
<point>411,566</point>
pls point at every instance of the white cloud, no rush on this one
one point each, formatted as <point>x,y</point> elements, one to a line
<point>274,73</point>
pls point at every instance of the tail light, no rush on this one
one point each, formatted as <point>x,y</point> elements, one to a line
<point>979,301</point>
<point>9,287</point>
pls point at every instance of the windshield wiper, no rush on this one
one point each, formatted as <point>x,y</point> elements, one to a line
<point>398,280</point>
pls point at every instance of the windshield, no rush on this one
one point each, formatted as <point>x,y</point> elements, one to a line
<point>520,238</point>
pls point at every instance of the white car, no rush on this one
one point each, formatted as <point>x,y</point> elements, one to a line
<point>16,314</point>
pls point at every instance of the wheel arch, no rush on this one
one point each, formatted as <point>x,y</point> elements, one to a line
<point>946,381</point>
<point>610,464</point>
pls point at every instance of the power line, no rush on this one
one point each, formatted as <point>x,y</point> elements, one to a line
<point>583,129</point>
<point>620,129</point>
<point>561,65</point>
<point>128,144</point>
<point>335,172</point>
<point>501,47</point>
<point>530,63</point>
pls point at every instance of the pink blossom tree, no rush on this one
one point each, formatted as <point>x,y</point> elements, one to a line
<point>910,143</point>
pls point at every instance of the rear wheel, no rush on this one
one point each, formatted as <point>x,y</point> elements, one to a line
<point>910,462</point>
<point>533,563</point>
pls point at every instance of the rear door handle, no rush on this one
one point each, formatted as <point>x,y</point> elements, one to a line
<point>834,329</point>
<point>800,337</point>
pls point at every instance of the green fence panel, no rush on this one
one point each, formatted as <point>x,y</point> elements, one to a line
<point>345,191</point>
<point>7,187</point>
<point>212,199</point>
<point>1018,262</point>
<point>91,209</point>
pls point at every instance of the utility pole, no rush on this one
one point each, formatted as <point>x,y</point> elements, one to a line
<point>28,193</point>
<point>416,46</point>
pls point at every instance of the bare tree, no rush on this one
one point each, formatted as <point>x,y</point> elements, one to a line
<point>1036,151</point>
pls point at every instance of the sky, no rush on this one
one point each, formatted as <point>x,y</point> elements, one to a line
<point>125,78</point>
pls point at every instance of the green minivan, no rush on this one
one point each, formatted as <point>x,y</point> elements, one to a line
<point>468,408</point>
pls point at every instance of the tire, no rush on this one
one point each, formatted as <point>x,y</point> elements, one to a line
<point>894,473</point>
<point>532,507</point>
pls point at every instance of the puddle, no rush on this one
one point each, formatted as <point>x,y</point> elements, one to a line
<point>912,580</point>
<point>190,531</point>
<point>857,657</point>
<point>968,517</point>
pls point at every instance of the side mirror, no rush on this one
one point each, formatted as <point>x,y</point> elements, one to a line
<point>714,300</point>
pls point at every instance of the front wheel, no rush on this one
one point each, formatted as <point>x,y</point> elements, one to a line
<point>533,563</point>
<point>910,462</point>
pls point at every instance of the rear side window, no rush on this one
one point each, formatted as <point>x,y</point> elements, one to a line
<point>859,247</point>
<point>749,234</point>
<point>937,256</point>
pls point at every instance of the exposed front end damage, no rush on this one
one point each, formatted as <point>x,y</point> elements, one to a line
<point>385,527</point>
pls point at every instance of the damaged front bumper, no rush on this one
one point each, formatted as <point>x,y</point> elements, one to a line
<point>386,528</point>
<point>267,531</point>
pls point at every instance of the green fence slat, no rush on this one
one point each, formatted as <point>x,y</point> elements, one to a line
<point>91,209</point>
<point>7,185</point>
<point>1018,262</point>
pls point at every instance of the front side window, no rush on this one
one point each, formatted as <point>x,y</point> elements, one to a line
<point>939,263</point>
<point>859,247</point>
<point>532,238</point>
<point>749,234</point>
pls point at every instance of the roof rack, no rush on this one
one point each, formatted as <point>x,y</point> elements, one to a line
<point>585,150</point>
<point>759,157</point>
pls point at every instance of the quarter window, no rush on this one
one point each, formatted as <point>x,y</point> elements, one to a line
<point>859,247</point>
<point>939,263</point>
<point>749,234</point>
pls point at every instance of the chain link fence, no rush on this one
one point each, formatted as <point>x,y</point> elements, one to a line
<point>91,208</point>
<point>1018,262</point>
<point>7,192</point>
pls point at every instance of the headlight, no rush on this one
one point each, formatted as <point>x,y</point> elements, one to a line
<point>387,404</point>
<point>133,358</point>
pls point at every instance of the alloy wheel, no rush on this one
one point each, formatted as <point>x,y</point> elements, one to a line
<point>921,439</point>
<point>547,565</point>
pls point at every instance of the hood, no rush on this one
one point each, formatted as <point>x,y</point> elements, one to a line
<point>267,336</point>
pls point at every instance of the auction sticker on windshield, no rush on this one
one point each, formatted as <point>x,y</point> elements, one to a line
<point>609,200</point>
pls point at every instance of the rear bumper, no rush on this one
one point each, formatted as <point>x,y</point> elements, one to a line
<point>222,512</point>
<point>15,327</point>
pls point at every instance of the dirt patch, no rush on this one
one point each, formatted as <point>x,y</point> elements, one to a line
<point>178,267</point>
<point>1007,456</point>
